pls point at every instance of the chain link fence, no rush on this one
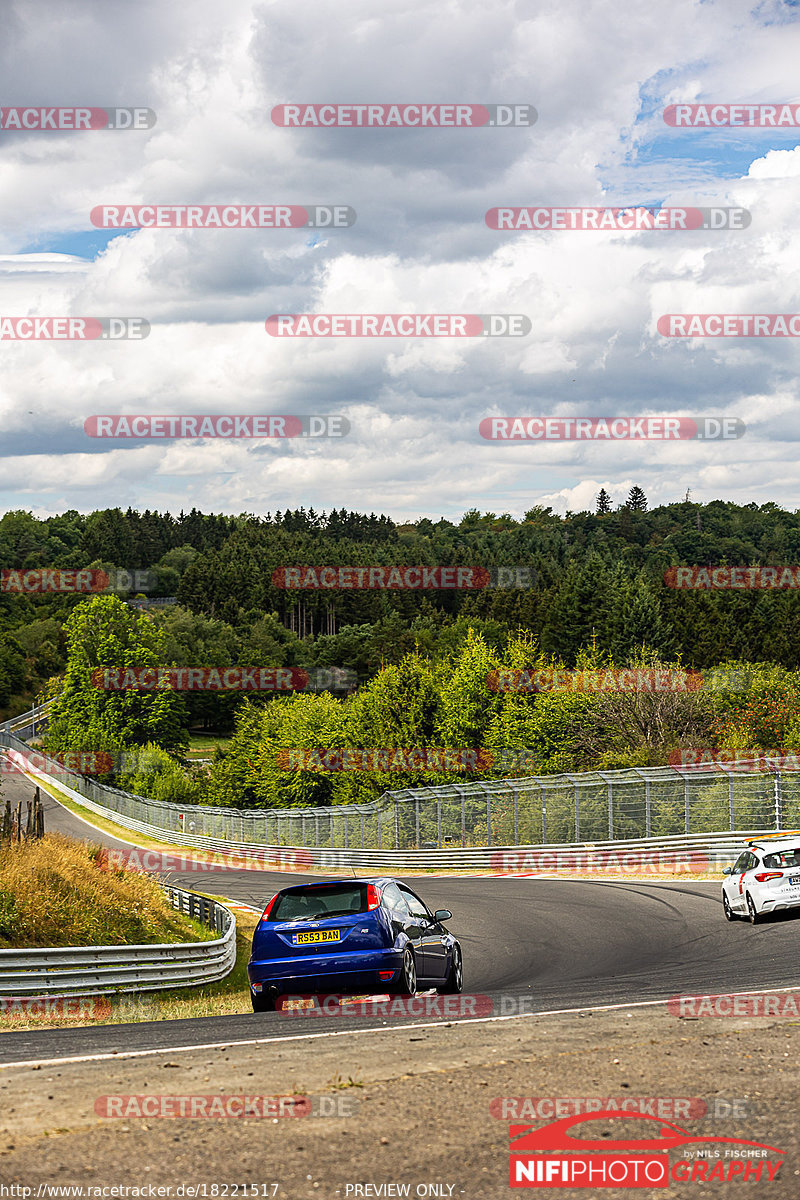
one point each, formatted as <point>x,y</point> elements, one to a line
<point>554,809</point>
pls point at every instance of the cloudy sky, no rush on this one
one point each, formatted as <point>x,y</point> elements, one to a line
<point>599,75</point>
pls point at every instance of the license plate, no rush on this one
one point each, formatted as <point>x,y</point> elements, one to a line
<point>324,935</point>
<point>794,880</point>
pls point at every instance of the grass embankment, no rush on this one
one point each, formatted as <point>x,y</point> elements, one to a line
<point>54,893</point>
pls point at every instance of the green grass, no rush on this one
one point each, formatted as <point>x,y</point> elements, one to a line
<point>203,745</point>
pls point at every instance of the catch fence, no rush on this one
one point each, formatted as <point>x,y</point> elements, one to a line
<point>607,806</point>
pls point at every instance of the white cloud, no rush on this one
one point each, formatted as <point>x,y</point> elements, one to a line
<point>599,76</point>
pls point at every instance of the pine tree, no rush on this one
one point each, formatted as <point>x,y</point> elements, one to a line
<point>637,501</point>
<point>603,503</point>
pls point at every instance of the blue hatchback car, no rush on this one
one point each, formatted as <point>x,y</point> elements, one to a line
<point>354,935</point>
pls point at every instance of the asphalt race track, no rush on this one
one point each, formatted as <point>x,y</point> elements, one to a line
<point>561,944</point>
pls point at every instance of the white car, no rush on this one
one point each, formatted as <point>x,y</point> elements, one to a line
<point>764,878</point>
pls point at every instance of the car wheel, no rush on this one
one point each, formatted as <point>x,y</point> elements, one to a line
<point>755,916</point>
<point>265,1002</point>
<point>455,980</point>
<point>406,985</point>
<point>730,915</point>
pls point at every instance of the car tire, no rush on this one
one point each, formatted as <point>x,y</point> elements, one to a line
<point>265,1002</point>
<point>753,914</point>
<point>406,984</point>
<point>455,980</point>
<point>730,915</point>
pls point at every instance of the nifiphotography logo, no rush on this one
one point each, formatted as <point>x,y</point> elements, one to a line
<point>554,1156</point>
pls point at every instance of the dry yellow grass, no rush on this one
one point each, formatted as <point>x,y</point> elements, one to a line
<point>53,893</point>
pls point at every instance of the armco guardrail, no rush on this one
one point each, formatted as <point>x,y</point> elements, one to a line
<point>99,970</point>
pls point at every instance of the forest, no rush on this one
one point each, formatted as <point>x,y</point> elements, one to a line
<point>595,594</point>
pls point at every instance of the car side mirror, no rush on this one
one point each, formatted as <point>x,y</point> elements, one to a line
<point>442,914</point>
<point>727,871</point>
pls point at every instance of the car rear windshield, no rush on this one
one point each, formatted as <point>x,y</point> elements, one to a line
<point>783,858</point>
<point>323,900</point>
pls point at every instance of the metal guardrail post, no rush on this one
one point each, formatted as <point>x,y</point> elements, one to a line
<point>463,817</point>
<point>416,820</point>
<point>361,814</point>
<point>778,800</point>
<point>488,817</point>
<point>516,814</point>
<point>438,822</point>
<point>396,824</point>
<point>731,802</point>
<point>544,813</point>
<point>686,802</point>
<point>610,787</point>
<point>648,810</point>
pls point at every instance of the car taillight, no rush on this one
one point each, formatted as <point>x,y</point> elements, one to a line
<point>765,875</point>
<point>373,897</point>
<point>270,906</point>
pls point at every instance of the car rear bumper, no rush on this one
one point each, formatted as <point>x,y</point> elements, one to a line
<point>780,902</point>
<point>323,972</point>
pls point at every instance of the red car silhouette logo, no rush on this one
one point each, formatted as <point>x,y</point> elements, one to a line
<point>554,1157</point>
<point>556,1137</point>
